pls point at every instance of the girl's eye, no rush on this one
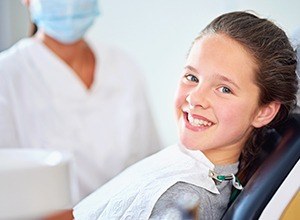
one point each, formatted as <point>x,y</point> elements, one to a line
<point>225,90</point>
<point>191,78</point>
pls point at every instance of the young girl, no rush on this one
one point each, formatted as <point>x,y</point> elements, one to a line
<point>238,80</point>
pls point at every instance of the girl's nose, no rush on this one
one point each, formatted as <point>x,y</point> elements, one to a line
<point>197,98</point>
<point>188,99</point>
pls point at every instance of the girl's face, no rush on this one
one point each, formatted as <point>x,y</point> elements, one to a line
<point>217,99</point>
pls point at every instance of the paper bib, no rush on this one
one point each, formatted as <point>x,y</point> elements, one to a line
<point>133,193</point>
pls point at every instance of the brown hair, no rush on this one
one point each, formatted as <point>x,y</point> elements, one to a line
<point>276,73</point>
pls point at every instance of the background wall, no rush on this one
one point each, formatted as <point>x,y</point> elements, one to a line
<point>158,35</point>
<point>13,22</point>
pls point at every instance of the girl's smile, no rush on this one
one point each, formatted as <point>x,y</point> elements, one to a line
<point>196,122</point>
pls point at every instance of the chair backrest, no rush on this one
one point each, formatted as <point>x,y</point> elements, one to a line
<point>271,173</point>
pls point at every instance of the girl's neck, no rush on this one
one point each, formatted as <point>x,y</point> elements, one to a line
<point>224,156</point>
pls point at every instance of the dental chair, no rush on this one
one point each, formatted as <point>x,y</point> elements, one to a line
<point>276,182</point>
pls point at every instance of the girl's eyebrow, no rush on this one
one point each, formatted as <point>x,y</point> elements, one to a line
<point>191,68</point>
<point>226,79</point>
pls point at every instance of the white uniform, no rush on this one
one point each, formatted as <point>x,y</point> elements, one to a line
<point>43,104</point>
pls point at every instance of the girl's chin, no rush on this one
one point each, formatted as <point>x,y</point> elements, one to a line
<point>189,145</point>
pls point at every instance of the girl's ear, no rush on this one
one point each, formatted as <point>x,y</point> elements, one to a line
<point>266,114</point>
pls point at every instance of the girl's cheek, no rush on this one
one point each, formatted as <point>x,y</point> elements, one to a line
<point>180,97</point>
<point>177,103</point>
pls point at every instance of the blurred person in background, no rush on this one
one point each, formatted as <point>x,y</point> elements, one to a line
<point>59,91</point>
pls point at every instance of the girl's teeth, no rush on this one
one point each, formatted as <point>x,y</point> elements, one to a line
<point>198,122</point>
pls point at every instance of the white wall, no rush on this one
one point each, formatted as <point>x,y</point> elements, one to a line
<point>5,30</point>
<point>158,34</point>
<point>13,22</point>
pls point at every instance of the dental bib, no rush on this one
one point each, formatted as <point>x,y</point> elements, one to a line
<point>134,192</point>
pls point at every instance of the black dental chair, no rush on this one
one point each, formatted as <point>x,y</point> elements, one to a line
<point>283,153</point>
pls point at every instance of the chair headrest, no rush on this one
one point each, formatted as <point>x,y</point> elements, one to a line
<point>282,151</point>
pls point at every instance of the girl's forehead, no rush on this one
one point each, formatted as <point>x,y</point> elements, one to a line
<point>218,53</point>
<point>221,46</point>
<point>221,40</point>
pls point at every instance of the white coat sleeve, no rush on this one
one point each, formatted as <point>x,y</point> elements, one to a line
<point>8,133</point>
<point>146,135</point>
<point>142,135</point>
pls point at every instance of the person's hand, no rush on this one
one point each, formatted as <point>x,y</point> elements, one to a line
<point>63,215</point>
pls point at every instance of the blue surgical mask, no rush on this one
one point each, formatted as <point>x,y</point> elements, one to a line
<point>64,20</point>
